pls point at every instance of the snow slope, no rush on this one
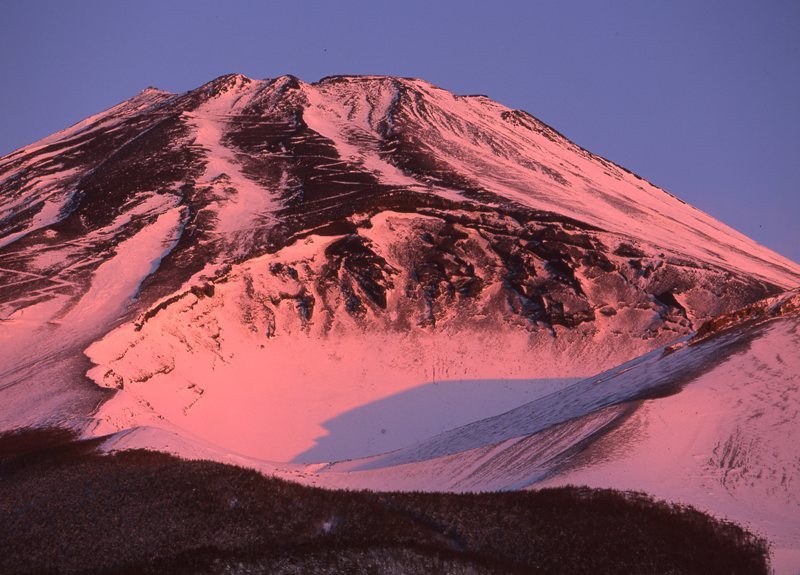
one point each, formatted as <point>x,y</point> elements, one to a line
<point>192,363</point>
<point>271,351</point>
<point>708,421</point>
<point>723,444</point>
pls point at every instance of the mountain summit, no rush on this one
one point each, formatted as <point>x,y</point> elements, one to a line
<point>247,261</point>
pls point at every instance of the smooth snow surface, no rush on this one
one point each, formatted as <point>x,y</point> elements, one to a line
<point>706,421</point>
<point>117,279</point>
<point>311,399</point>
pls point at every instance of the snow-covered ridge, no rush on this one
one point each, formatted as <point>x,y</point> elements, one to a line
<point>375,131</point>
<point>784,304</point>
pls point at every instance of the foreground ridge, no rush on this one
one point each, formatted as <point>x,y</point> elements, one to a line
<point>151,513</point>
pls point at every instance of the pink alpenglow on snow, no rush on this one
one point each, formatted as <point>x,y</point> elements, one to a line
<point>372,282</point>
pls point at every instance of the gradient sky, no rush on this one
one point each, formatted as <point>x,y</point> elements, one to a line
<point>701,98</point>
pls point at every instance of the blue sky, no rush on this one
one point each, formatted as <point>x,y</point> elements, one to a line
<point>699,97</point>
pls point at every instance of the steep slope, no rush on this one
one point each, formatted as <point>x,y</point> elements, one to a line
<point>276,253</point>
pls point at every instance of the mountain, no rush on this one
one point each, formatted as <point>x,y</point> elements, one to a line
<point>233,252</point>
<point>264,244</point>
<point>375,269</point>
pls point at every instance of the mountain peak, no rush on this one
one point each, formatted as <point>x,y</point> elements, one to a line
<point>226,82</point>
<point>153,90</point>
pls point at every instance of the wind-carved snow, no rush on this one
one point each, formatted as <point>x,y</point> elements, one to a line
<point>516,156</point>
<point>52,193</point>
<point>242,205</point>
<point>350,121</point>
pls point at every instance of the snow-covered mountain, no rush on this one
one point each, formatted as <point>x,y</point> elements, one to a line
<point>268,254</point>
<point>375,269</point>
